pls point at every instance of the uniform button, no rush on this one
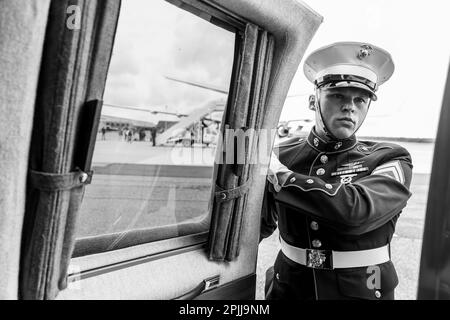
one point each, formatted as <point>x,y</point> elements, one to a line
<point>314,225</point>
<point>378,294</point>
<point>316,243</point>
<point>320,172</point>
<point>277,275</point>
<point>292,180</point>
<point>324,159</point>
<point>310,181</point>
<point>316,142</point>
<point>328,186</point>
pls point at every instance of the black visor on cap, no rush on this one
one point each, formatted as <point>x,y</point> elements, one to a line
<point>341,81</point>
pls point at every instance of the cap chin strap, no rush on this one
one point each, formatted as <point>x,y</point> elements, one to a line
<point>322,124</point>
<point>320,121</point>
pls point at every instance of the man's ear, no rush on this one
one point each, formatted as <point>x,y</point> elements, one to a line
<point>312,102</point>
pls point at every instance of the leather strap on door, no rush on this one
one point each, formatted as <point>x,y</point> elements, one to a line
<point>223,195</point>
<point>56,182</point>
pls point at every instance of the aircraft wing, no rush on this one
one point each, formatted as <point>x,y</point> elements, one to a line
<point>139,118</point>
<point>132,122</point>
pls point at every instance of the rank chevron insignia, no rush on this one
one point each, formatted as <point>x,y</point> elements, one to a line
<point>392,170</point>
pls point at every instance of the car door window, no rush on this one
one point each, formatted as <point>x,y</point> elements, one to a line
<point>155,149</point>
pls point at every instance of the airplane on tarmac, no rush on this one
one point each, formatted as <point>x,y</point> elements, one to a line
<point>295,128</point>
<point>199,126</point>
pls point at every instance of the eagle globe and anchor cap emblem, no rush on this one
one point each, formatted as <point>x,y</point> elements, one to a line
<point>365,51</point>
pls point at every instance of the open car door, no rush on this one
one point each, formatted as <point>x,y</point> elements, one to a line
<point>113,220</point>
<point>434,277</point>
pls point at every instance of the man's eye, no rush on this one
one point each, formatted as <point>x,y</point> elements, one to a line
<point>360,100</point>
<point>337,96</point>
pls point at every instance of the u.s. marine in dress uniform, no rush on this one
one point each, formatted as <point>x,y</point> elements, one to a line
<point>334,198</point>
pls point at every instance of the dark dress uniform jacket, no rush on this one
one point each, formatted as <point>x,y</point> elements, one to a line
<point>343,196</point>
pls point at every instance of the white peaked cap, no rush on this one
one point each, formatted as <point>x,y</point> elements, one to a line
<point>349,64</point>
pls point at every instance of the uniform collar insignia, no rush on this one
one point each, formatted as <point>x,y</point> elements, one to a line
<point>330,146</point>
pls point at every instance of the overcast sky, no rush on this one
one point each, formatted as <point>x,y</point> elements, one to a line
<point>155,39</point>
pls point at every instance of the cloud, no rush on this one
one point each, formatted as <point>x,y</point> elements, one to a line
<point>156,39</point>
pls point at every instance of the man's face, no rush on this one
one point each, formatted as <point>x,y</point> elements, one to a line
<point>343,110</point>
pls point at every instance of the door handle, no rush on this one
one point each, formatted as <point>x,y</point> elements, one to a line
<point>205,285</point>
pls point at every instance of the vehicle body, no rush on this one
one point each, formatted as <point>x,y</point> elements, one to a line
<point>51,102</point>
<point>66,50</point>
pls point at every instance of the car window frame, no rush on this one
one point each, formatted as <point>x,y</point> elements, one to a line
<point>98,244</point>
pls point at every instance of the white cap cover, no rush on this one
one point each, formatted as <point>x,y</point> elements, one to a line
<point>350,64</point>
